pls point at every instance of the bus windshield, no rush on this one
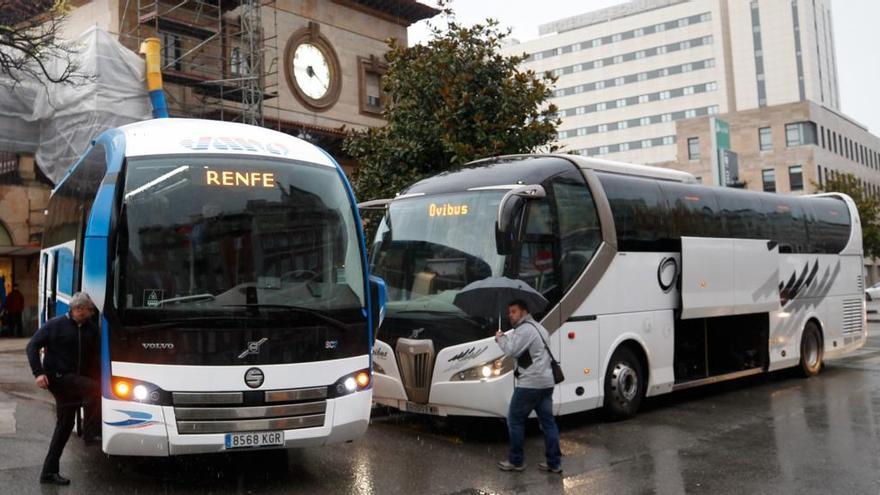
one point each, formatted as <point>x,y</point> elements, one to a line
<point>242,245</point>
<point>427,249</point>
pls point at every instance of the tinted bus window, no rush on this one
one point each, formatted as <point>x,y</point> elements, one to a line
<point>693,210</point>
<point>741,218</point>
<point>831,228</point>
<point>640,213</point>
<point>578,222</point>
<point>786,217</point>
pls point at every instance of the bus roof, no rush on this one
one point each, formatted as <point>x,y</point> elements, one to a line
<point>615,167</point>
<point>188,136</point>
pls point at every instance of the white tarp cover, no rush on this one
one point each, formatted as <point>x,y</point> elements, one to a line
<point>58,121</point>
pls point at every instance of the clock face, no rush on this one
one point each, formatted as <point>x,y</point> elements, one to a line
<point>311,70</point>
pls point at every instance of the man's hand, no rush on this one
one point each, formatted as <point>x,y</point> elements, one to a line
<point>498,335</point>
<point>42,381</point>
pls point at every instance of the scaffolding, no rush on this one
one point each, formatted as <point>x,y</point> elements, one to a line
<point>219,57</point>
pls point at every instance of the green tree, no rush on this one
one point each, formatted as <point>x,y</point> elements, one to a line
<point>867,204</point>
<point>451,100</point>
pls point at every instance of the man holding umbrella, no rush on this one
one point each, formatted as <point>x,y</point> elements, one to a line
<point>533,390</point>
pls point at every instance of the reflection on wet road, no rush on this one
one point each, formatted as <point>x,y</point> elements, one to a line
<point>772,434</point>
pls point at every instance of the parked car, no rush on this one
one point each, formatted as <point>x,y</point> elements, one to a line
<point>872,293</point>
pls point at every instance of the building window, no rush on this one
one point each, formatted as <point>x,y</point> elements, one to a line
<point>765,139</point>
<point>669,140</point>
<point>800,133</point>
<point>617,59</point>
<point>619,81</point>
<point>171,51</point>
<point>689,114</point>
<point>597,42</point>
<point>769,179</point>
<point>796,177</point>
<point>640,54</point>
<point>621,102</point>
<point>646,143</point>
<point>642,76</point>
<point>624,146</point>
<point>617,37</point>
<point>603,150</point>
<point>603,128</point>
<point>713,110</point>
<point>645,121</point>
<point>371,96</point>
<point>597,64</point>
<point>666,117</point>
<point>694,148</point>
<point>600,84</point>
<point>688,90</point>
<point>661,50</point>
<point>600,106</point>
<point>664,95</point>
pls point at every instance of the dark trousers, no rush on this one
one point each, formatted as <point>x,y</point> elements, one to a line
<point>523,402</point>
<point>15,325</point>
<point>71,391</point>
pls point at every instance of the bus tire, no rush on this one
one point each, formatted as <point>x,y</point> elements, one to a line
<point>625,385</point>
<point>811,350</point>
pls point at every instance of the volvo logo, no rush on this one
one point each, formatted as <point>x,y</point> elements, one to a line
<point>158,346</point>
<point>254,377</point>
<point>252,348</point>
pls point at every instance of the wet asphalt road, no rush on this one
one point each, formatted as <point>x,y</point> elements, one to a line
<point>774,434</point>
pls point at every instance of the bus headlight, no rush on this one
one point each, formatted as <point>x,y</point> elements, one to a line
<point>485,371</point>
<point>138,391</point>
<point>348,384</point>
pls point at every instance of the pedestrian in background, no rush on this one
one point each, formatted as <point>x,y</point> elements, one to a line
<point>533,390</point>
<point>14,308</point>
<point>70,361</point>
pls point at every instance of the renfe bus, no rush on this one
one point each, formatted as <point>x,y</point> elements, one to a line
<point>228,266</point>
<point>656,283</point>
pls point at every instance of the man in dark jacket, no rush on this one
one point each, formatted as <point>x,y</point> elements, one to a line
<point>70,360</point>
<point>14,308</point>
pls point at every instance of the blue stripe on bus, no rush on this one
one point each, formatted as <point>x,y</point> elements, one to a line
<point>105,358</point>
<point>366,266</point>
<point>61,307</point>
<point>99,218</point>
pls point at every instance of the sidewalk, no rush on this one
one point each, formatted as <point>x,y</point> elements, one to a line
<point>9,344</point>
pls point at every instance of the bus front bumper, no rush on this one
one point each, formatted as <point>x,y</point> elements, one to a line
<point>147,430</point>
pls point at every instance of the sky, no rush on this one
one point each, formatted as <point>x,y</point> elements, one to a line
<point>856,37</point>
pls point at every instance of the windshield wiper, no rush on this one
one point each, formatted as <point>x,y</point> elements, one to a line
<point>295,309</point>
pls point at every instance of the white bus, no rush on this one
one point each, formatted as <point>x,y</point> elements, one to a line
<point>228,266</point>
<point>655,283</point>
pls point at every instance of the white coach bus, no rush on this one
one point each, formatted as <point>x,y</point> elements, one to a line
<point>228,265</point>
<point>655,283</point>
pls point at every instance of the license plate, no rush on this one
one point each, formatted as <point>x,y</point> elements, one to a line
<point>255,439</point>
<point>420,408</point>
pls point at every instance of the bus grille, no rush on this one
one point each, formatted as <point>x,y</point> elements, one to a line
<point>225,412</point>
<point>852,315</point>
<point>415,358</point>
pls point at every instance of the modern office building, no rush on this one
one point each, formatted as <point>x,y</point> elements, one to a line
<point>628,73</point>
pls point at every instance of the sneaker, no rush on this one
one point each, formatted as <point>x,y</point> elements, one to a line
<point>509,466</point>
<point>545,467</point>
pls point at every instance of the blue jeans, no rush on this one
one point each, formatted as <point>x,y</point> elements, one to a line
<point>523,402</point>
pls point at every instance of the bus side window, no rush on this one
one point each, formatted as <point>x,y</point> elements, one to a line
<point>640,213</point>
<point>537,256</point>
<point>579,230</point>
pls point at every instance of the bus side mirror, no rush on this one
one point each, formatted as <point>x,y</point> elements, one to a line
<point>511,204</point>
<point>378,295</point>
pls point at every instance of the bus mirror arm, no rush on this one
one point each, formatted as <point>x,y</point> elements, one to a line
<point>507,208</point>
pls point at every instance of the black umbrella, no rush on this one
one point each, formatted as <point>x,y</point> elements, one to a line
<point>491,296</point>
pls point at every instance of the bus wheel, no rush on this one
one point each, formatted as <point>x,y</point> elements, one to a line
<point>624,385</point>
<point>811,350</point>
